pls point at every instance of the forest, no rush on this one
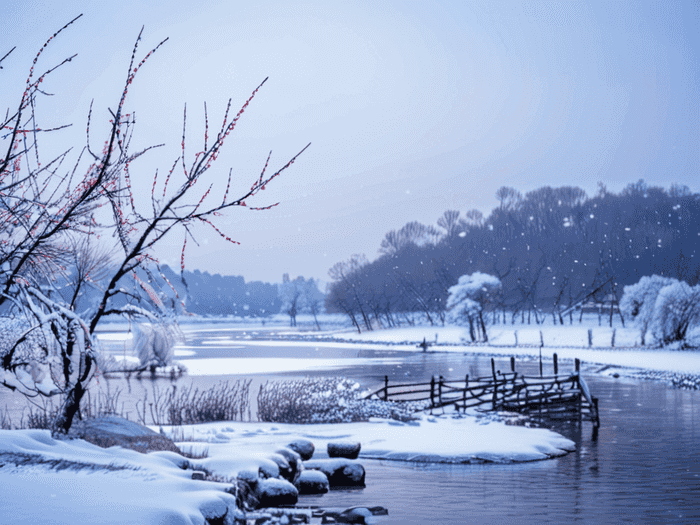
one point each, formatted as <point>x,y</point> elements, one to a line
<point>551,248</point>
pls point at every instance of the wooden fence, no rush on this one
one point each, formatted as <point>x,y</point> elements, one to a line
<point>541,397</point>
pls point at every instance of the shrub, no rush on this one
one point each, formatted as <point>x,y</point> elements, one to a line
<point>324,400</point>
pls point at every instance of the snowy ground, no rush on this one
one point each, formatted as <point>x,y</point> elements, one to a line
<point>48,481</point>
<point>68,482</point>
<point>444,438</point>
<point>568,342</point>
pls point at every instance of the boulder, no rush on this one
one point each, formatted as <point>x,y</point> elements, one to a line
<point>285,469</point>
<point>295,464</point>
<point>245,490</point>
<point>344,449</point>
<point>312,482</point>
<point>109,431</point>
<point>276,493</point>
<point>361,515</point>
<point>303,447</point>
<point>340,472</point>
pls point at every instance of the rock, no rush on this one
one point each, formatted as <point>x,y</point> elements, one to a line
<point>353,515</point>
<point>245,490</point>
<point>344,449</point>
<point>303,447</point>
<point>276,492</point>
<point>295,463</point>
<point>312,482</point>
<point>198,475</point>
<point>340,472</point>
<point>285,469</point>
<point>109,431</point>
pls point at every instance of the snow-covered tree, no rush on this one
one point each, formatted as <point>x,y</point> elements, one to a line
<point>469,298</point>
<point>154,344</point>
<point>46,347</point>
<point>291,295</point>
<point>639,300</point>
<point>300,295</point>
<point>676,311</point>
<point>313,300</point>
<point>666,307</point>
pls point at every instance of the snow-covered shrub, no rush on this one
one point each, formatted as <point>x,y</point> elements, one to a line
<point>154,344</point>
<point>324,400</point>
<point>225,401</point>
<point>676,310</point>
<point>638,300</point>
<point>468,299</point>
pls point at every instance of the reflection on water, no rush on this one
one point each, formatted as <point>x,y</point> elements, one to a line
<point>644,466</point>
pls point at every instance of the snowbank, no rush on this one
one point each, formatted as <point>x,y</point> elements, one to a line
<point>437,439</point>
<point>568,342</point>
<point>68,482</point>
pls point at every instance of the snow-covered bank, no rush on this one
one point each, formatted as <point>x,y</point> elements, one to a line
<point>561,339</point>
<point>66,482</point>
<point>95,485</point>
<point>443,438</point>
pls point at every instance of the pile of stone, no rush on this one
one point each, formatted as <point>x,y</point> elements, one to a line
<point>300,474</point>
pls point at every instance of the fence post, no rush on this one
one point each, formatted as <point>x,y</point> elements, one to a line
<point>577,364</point>
<point>432,391</point>
<point>590,337</point>
<point>386,388</point>
<point>540,361</point>
<point>541,339</point>
<point>495,384</point>
<point>464,394</point>
<point>512,363</point>
<point>612,341</point>
<point>556,364</point>
<point>440,390</point>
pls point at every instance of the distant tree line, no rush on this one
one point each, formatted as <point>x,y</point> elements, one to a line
<point>189,292</point>
<point>551,249</point>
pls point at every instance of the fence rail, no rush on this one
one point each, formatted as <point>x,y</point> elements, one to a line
<point>557,396</point>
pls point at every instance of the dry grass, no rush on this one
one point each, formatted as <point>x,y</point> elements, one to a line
<point>323,400</point>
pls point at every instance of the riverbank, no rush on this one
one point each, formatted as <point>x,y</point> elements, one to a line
<point>676,367</point>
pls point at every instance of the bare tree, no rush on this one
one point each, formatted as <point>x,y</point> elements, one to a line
<point>42,204</point>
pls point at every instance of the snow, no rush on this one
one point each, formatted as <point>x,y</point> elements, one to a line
<point>145,488</point>
<point>272,365</point>
<point>568,342</point>
<point>444,438</point>
<point>121,486</point>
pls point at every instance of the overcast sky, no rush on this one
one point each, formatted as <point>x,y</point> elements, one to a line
<point>412,108</point>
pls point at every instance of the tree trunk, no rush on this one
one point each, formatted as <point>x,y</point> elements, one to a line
<point>71,405</point>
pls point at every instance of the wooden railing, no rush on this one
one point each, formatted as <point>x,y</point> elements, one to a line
<point>541,397</point>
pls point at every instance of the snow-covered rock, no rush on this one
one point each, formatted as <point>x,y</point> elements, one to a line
<point>312,482</point>
<point>303,447</point>
<point>109,431</point>
<point>341,472</point>
<point>344,449</point>
<point>296,466</point>
<point>274,492</point>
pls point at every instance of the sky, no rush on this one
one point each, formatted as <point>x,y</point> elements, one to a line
<point>411,108</point>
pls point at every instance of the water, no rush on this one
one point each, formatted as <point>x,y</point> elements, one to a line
<point>644,466</point>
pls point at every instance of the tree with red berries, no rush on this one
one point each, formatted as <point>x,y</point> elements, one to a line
<point>48,208</point>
